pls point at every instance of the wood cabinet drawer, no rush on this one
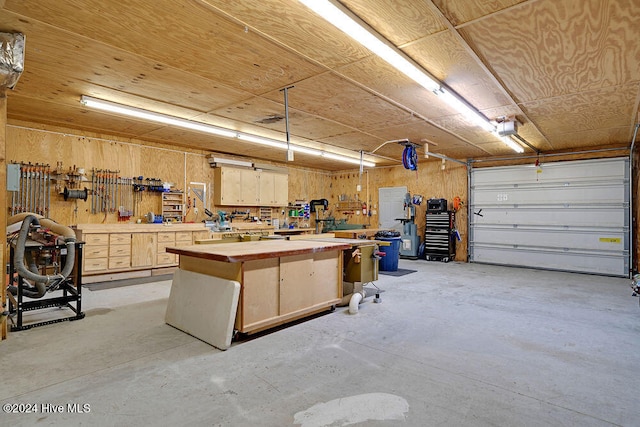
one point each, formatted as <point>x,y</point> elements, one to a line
<point>162,247</point>
<point>183,236</point>
<point>166,237</point>
<point>96,239</point>
<point>166,259</point>
<point>119,239</point>
<point>119,262</point>
<point>92,252</point>
<point>119,250</point>
<point>95,264</point>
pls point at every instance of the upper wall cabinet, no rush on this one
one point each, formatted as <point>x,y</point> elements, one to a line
<point>248,187</point>
<point>274,189</point>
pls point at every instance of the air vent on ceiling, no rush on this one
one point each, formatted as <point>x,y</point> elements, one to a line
<point>274,118</point>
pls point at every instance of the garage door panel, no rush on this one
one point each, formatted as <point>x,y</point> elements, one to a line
<point>610,264</point>
<point>551,173</point>
<point>551,214</point>
<point>610,193</point>
<point>556,238</point>
<point>573,216</point>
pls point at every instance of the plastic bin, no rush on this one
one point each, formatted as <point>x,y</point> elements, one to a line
<point>389,262</point>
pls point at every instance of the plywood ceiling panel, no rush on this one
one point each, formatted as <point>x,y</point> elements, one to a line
<point>269,114</point>
<point>461,11</point>
<point>550,48</point>
<point>417,19</point>
<point>180,34</point>
<point>556,65</point>
<point>449,61</point>
<point>295,26</point>
<point>597,109</point>
<point>337,99</point>
<point>592,138</point>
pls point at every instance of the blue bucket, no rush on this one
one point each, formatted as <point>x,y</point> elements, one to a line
<point>389,262</point>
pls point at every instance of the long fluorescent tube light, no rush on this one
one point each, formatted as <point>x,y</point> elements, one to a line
<point>334,13</point>
<point>354,161</point>
<point>305,150</point>
<point>462,107</point>
<point>139,113</point>
<point>261,140</point>
<point>511,144</point>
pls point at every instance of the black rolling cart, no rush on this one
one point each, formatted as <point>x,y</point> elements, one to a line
<point>439,236</point>
<point>66,295</point>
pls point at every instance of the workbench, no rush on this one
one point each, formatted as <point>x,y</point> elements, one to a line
<point>353,234</point>
<point>294,231</point>
<point>279,281</point>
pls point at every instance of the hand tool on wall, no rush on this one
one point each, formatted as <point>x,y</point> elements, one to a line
<point>93,191</point>
<point>33,185</point>
<point>47,204</point>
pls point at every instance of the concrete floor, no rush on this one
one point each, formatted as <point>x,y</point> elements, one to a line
<point>453,344</point>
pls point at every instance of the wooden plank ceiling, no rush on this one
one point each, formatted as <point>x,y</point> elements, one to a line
<point>568,70</point>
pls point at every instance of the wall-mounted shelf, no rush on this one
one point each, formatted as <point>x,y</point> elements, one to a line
<point>173,206</point>
<point>349,206</point>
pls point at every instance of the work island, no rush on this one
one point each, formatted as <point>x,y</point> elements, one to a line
<point>251,286</point>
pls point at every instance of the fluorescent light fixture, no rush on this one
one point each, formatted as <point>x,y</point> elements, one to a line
<point>462,107</point>
<point>346,159</point>
<point>139,113</point>
<point>305,150</point>
<point>261,140</point>
<point>335,14</point>
<point>232,162</point>
<point>511,144</point>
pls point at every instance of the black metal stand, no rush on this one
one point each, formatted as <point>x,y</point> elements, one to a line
<point>71,288</point>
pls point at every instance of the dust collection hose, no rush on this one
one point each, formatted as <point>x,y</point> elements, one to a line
<point>42,283</point>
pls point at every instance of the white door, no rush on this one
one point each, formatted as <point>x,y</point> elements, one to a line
<point>571,216</point>
<point>391,201</point>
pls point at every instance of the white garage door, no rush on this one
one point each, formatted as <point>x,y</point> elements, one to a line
<point>571,216</point>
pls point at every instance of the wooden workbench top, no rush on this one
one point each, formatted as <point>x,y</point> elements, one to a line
<point>247,251</point>
<point>140,228</point>
<point>351,242</point>
<point>293,230</point>
<point>353,234</point>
